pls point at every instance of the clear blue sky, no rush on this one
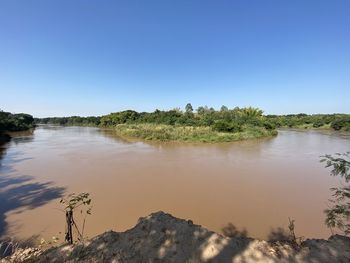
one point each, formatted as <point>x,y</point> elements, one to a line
<point>64,57</point>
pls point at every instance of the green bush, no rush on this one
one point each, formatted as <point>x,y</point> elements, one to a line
<point>161,132</point>
<point>318,124</point>
<point>269,125</point>
<point>224,126</point>
<point>341,123</point>
<point>15,122</point>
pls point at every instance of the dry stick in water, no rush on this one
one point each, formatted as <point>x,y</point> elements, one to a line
<point>69,220</point>
<point>73,202</point>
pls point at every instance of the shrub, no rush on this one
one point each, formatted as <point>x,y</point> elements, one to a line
<point>318,124</point>
<point>338,215</point>
<point>224,126</point>
<point>340,123</point>
<point>269,125</point>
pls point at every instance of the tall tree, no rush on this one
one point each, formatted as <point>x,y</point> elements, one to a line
<point>189,108</point>
<point>223,108</point>
<point>338,215</point>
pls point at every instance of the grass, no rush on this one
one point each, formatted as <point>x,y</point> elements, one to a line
<point>160,132</point>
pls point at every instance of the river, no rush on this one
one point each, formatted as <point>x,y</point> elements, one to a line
<point>254,184</point>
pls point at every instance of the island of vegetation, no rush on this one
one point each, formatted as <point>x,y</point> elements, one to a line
<point>204,124</point>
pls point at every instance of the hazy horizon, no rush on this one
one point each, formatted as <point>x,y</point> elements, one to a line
<point>91,58</point>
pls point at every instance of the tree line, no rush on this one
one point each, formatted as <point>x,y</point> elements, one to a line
<point>69,121</point>
<point>334,121</point>
<point>224,119</point>
<point>15,122</point>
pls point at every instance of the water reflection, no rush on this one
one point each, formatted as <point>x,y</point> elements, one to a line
<point>2,152</point>
<point>113,136</point>
<point>19,193</point>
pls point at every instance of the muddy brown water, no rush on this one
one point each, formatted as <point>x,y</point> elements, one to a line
<point>254,184</point>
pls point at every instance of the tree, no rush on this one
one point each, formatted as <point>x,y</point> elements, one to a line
<point>15,122</point>
<point>252,112</point>
<point>70,205</point>
<point>189,108</point>
<point>341,123</point>
<point>339,214</point>
<point>223,108</point>
<point>201,110</point>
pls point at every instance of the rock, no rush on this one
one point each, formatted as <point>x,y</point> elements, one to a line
<point>22,255</point>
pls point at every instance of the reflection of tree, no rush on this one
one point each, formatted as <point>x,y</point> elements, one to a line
<point>16,137</point>
<point>2,152</point>
<point>20,193</point>
<point>112,134</point>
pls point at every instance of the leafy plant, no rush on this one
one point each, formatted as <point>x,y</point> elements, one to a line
<point>71,204</point>
<point>15,122</point>
<point>339,214</point>
<point>341,123</point>
<point>295,241</point>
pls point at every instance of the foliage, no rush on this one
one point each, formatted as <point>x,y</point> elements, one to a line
<point>189,108</point>
<point>74,201</point>
<point>301,120</point>
<point>269,125</point>
<point>318,124</point>
<point>162,132</point>
<point>226,126</point>
<point>224,119</point>
<point>295,241</point>
<point>339,214</point>
<point>206,124</point>
<point>74,120</point>
<point>341,123</point>
<point>223,108</point>
<point>204,116</point>
<point>71,203</point>
<point>15,122</point>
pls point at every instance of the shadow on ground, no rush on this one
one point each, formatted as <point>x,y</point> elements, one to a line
<point>230,230</point>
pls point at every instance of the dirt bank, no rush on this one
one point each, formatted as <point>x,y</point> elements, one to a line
<point>160,237</point>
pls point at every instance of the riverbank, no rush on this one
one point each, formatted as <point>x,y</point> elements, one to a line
<point>160,237</point>
<point>161,132</point>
